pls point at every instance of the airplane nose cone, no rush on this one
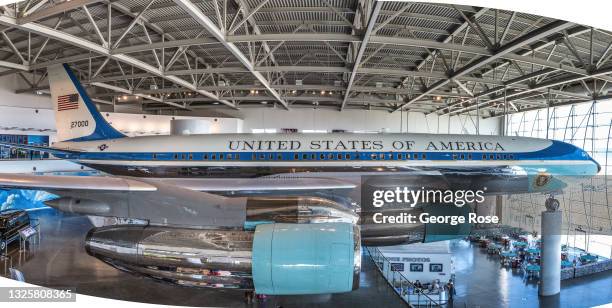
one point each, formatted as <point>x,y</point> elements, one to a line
<point>598,165</point>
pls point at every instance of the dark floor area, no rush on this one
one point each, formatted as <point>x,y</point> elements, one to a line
<point>61,261</point>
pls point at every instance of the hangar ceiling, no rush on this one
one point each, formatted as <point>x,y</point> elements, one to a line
<point>341,54</point>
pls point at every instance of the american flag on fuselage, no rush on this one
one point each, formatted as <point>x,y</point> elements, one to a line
<point>67,102</point>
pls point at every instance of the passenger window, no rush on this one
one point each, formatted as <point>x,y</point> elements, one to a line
<point>154,156</point>
<point>261,156</point>
<point>423,156</point>
<point>175,156</point>
<point>190,156</point>
<point>491,156</point>
<point>373,156</point>
<point>470,156</point>
<point>321,157</point>
<point>253,157</point>
<point>213,157</point>
<point>511,156</point>
<point>313,156</point>
<point>484,156</point>
<point>304,156</point>
<point>339,156</point>
<point>183,156</point>
<point>296,156</point>
<point>407,156</point>
<point>221,156</point>
<point>454,156</point>
<point>229,156</point>
<point>206,156</point>
<point>462,156</point>
<point>330,156</point>
<point>347,156</point>
<point>279,156</point>
<point>498,156</point>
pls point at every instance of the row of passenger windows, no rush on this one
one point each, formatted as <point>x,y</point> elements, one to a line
<point>328,156</point>
<point>469,156</point>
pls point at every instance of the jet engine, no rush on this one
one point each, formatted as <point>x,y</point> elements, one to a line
<point>275,258</point>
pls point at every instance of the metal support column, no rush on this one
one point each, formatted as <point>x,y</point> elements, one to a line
<point>550,280</point>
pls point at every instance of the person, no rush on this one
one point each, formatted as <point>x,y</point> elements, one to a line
<point>435,285</point>
<point>417,284</point>
<point>248,297</point>
<point>451,289</point>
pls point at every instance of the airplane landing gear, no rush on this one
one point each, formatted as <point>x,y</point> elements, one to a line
<point>552,204</point>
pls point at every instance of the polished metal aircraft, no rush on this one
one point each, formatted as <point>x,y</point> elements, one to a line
<point>256,211</point>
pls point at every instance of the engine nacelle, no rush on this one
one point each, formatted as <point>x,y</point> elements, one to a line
<point>275,259</point>
<point>306,258</point>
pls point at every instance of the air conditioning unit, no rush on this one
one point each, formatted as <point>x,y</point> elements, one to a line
<point>298,82</point>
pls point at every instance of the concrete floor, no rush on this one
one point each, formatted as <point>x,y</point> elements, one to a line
<point>483,282</point>
<point>61,261</point>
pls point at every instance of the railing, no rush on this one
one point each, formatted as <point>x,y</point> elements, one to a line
<point>403,287</point>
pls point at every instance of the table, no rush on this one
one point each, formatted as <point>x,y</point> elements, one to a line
<point>520,244</point>
<point>533,251</point>
<point>588,258</point>
<point>493,248</point>
<point>508,254</point>
<point>532,268</point>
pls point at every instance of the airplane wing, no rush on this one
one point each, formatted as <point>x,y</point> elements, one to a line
<point>124,184</point>
<point>160,201</point>
<point>263,184</point>
<point>153,201</point>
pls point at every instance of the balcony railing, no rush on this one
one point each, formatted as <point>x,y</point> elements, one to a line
<point>403,287</point>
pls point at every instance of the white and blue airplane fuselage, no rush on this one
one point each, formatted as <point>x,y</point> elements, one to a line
<point>91,141</point>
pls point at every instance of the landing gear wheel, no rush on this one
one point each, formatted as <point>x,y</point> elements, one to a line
<point>552,204</point>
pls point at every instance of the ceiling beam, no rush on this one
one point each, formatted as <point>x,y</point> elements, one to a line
<point>210,26</point>
<point>101,50</point>
<point>374,39</point>
<point>538,87</point>
<point>553,27</point>
<point>54,10</point>
<point>362,49</point>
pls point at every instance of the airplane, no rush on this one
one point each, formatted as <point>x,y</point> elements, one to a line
<point>270,212</point>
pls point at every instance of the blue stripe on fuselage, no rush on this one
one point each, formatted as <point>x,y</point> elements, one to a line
<point>557,151</point>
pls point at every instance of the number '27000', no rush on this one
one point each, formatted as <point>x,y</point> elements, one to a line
<point>75,124</point>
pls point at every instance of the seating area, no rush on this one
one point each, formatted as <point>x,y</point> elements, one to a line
<point>522,252</point>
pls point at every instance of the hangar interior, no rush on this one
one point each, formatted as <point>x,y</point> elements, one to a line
<point>323,66</point>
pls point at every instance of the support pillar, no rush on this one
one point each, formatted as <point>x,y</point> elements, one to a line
<point>550,279</point>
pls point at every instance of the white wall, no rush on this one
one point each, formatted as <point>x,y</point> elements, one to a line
<point>243,120</point>
<point>361,120</point>
<point>139,124</point>
<point>8,97</point>
<point>31,114</point>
